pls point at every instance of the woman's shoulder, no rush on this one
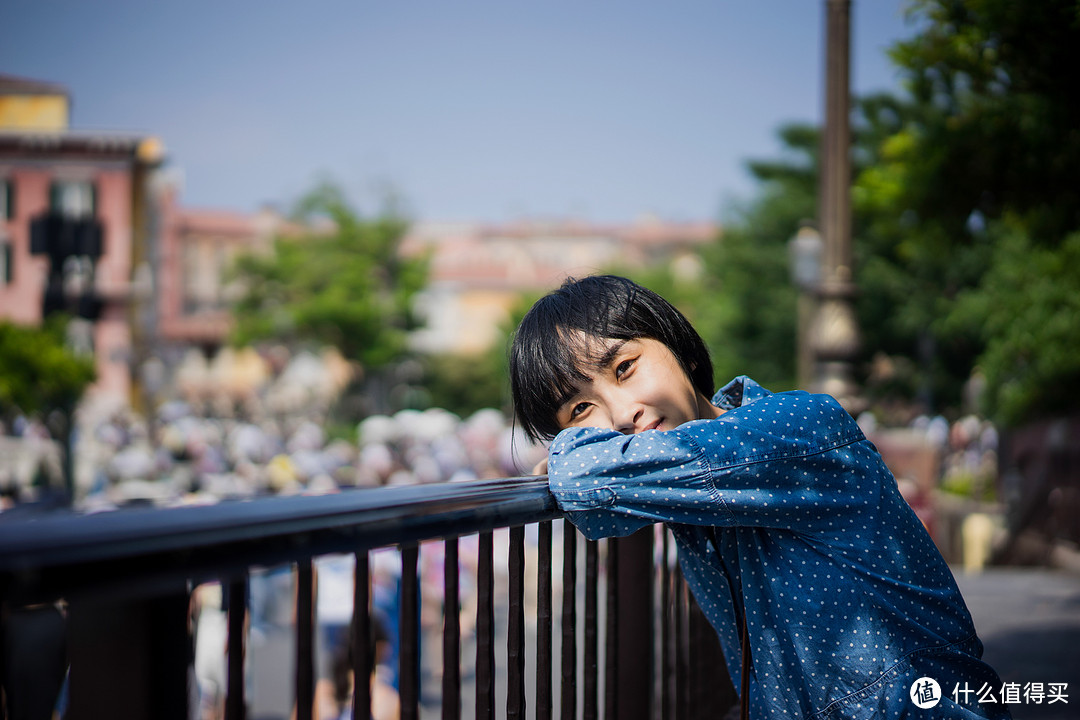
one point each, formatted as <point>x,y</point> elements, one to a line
<point>749,403</point>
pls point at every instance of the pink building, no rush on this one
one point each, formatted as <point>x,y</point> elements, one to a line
<point>478,271</point>
<point>98,179</point>
<point>196,249</point>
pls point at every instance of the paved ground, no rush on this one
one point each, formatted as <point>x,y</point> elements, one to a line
<point>1029,622</point>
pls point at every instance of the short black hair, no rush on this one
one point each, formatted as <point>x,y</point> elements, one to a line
<point>551,344</point>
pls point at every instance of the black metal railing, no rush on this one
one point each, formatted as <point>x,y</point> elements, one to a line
<point>127,576</point>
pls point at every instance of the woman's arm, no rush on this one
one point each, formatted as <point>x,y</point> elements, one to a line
<point>790,460</point>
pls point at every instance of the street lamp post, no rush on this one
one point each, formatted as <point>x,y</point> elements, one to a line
<point>835,331</point>
<point>804,256</point>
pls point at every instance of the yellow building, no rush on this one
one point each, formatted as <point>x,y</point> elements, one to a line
<point>31,105</point>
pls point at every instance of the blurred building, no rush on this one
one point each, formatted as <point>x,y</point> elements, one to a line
<point>147,279</point>
<point>197,248</point>
<point>77,222</point>
<point>144,278</point>
<point>479,271</point>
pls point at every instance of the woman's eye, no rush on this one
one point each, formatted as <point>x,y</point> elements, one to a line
<point>623,368</point>
<point>578,409</point>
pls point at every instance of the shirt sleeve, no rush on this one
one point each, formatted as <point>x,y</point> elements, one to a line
<point>790,461</point>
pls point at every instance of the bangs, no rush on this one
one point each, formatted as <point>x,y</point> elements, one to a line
<point>551,361</point>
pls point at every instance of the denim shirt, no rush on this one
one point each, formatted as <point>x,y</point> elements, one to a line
<point>784,511</point>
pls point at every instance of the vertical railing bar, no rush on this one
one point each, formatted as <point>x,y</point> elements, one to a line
<point>409,655</point>
<point>590,702</point>
<point>681,689</point>
<point>235,704</point>
<point>543,622</point>
<point>568,681</point>
<point>693,654</point>
<point>451,680</point>
<point>515,628</point>
<point>485,629</point>
<point>666,670</point>
<point>611,633</point>
<point>305,636</point>
<point>363,657</point>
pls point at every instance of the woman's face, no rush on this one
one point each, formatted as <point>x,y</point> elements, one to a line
<point>636,385</point>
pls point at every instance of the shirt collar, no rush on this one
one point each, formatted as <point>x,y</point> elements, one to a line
<point>740,391</point>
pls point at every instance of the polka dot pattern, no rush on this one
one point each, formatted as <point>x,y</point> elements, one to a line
<point>781,506</point>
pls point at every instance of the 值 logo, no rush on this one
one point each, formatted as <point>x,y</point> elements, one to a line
<point>925,693</point>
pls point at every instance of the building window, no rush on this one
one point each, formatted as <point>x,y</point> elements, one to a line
<point>7,199</point>
<point>73,198</point>
<point>7,272</point>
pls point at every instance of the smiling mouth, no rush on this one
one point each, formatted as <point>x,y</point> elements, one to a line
<point>655,425</point>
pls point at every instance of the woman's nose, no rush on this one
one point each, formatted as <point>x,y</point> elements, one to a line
<point>626,418</point>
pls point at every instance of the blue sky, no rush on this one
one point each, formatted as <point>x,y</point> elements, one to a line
<point>467,110</point>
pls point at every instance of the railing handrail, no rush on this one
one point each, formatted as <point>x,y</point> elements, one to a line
<point>46,557</point>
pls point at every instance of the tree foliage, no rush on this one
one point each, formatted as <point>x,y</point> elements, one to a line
<point>753,330</point>
<point>988,133</point>
<point>744,305</point>
<point>1028,309</point>
<point>343,283</point>
<point>466,382</point>
<point>38,373</point>
<point>985,133</point>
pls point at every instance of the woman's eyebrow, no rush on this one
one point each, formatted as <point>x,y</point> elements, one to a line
<point>605,359</point>
<point>610,354</point>
<point>564,399</point>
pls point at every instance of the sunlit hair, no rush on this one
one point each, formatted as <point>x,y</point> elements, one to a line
<point>555,346</point>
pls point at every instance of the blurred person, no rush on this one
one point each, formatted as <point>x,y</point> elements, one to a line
<point>335,582</point>
<point>334,695</point>
<point>210,630</point>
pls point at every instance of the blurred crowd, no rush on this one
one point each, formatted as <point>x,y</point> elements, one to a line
<point>188,458</point>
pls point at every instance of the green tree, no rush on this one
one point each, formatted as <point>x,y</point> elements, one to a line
<point>38,373</point>
<point>466,382</point>
<point>40,376</point>
<point>1028,309</point>
<point>745,305</point>
<point>343,283</point>
<point>753,330</point>
<point>988,132</point>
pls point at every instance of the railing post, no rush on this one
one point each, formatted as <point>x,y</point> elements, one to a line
<point>712,692</point>
<point>543,623</point>
<point>409,656</point>
<point>451,685</point>
<point>632,582</point>
<point>235,704</point>
<point>515,631</point>
<point>129,657</point>
<point>363,644</point>
<point>667,665</point>
<point>611,633</point>
<point>568,676</point>
<point>485,628</point>
<point>682,694</point>
<point>305,641</point>
<point>590,703</point>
